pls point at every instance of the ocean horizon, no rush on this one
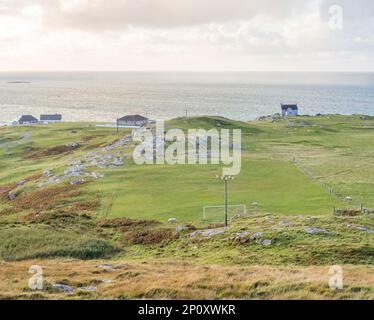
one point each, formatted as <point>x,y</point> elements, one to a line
<point>106,96</point>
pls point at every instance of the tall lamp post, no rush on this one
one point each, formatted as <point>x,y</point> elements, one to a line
<point>225,180</point>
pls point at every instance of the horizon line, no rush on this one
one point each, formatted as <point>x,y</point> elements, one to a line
<point>191,71</point>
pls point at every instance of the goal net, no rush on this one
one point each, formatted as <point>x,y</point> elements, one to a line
<point>216,214</point>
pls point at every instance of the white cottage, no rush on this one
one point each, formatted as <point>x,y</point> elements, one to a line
<point>289,110</point>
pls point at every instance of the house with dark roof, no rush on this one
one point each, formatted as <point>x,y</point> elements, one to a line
<point>289,110</point>
<point>133,121</point>
<point>50,118</point>
<point>27,120</point>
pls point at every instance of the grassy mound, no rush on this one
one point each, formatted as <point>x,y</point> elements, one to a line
<point>23,244</point>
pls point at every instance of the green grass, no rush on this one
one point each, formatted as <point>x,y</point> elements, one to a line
<point>335,149</point>
<point>291,245</point>
<point>162,192</point>
<point>14,149</point>
<point>32,243</point>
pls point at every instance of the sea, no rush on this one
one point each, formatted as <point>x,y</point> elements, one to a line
<point>106,96</point>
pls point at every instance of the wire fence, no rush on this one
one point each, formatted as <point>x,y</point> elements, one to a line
<point>352,209</point>
<point>310,175</point>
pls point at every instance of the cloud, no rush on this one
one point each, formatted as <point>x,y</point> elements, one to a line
<point>184,34</point>
<point>115,14</point>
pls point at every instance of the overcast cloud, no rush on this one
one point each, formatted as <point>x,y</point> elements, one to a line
<point>185,35</point>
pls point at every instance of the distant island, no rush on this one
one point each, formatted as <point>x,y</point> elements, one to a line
<point>18,82</point>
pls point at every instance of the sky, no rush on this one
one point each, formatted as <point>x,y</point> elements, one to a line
<point>187,35</point>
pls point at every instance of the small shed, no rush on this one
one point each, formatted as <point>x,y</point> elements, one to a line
<point>51,118</point>
<point>133,121</point>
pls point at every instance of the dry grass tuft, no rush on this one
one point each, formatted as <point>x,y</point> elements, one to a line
<point>45,199</point>
<point>87,206</point>
<point>149,237</point>
<point>54,151</point>
<point>66,217</point>
<point>171,280</point>
<point>124,222</point>
<point>6,189</point>
<point>8,211</point>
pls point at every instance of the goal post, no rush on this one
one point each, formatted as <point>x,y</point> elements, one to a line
<point>216,214</point>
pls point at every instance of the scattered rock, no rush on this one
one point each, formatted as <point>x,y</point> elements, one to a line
<point>106,267</point>
<point>89,289</point>
<point>63,287</point>
<point>54,179</point>
<point>73,145</point>
<point>284,222</point>
<point>77,182</point>
<point>257,235</point>
<point>172,220</point>
<point>117,162</point>
<point>180,229</point>
<point>21,183</point>
<point>368,211</point>
<point>241,235</point>
<point>11,196</point>
<point>47,173</point>
<point>207,233</point>
<point>311,230</point>
<point>267,242</point>
<point>107,281</point>
<point>348,198</point>
<point>360,228</point>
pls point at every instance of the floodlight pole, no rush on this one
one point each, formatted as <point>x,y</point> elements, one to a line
<point>226,202</point>
<point>226,186</point>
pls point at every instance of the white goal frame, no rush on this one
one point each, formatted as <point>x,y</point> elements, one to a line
<point>223,207</point>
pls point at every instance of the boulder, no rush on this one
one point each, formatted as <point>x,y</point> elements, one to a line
<point>284,222</point>
<point>312,230</point>
<point>77,182</point>
<point>207,233</point>
<point>63,287</point>
<point>107,281</point>
<point>180,229</point>
<point>172,220</point>
<point>47,173</point>
<point>73,145</point>
<point>359,228</point>
<point>11,196</point>
<point>21,183</point>
<point>106,267</point>
<point>257,235</point>
<point>242,237</point>
<point>267,242</point>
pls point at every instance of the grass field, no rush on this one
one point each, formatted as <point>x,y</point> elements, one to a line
<point>287,167</point>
